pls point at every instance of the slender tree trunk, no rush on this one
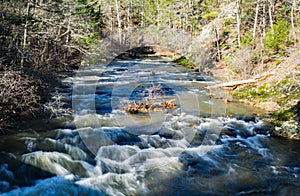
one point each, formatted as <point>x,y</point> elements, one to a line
<point>128,32</point>
<point>292,20</point>
<point>260,69</point>
<point>111,19</point>
<point>238,21</point>
<point>218,44</point>
<point>270,15</point>
<point>169,19</point>
<point>25,32</point>
<point>119,21</point>
<point>255,21</point>
<point>128,14</point>
<point>158,19</point>
<point>142,13</point>
<point>68,30</point>
<point>264,20</point>
<point>26,26</point>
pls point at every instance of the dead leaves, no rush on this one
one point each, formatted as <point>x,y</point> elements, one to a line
<point>151,107</point>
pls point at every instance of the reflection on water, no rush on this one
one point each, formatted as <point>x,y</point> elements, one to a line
<point>194,149</point>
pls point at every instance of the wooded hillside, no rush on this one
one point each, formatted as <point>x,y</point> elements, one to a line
<point>49,36</point>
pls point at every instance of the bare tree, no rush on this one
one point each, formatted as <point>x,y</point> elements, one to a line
<point>271,7</point>
<point>293,7</point>
<point>119,21</point>
<point>238,21</point>
<point>255,20</point>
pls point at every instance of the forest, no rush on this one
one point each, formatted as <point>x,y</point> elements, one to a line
<point>233,39</point>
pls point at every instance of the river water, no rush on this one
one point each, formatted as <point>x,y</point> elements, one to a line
<point>202,147</point>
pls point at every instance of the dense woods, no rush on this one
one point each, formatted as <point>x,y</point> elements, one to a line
<point>39,38</point>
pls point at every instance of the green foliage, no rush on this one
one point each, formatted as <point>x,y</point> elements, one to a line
<point>90,41</point>
<point>184,62</point>
<point>150,12</point>
<point>277,41</point>
<point>228,22</point>
<point>210,15</point>
<point>281,93</point>
<point>91,12</point>
<point>277,62</point>
<point>282,115</point>
<point>207,4</point>
<point>245,92</point>
<point>247,39</point>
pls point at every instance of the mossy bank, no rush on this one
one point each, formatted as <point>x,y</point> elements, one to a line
<point>280,100</point>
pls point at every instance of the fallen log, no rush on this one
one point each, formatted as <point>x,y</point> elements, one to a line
<point>234,84</point>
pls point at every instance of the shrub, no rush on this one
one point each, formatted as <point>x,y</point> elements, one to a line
<point>210,15</point>
<point>17,94</point>
<point>185,62</point>
<point>277,41</point>
<point>247,39</point>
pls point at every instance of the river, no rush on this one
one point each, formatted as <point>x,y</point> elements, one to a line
<point>204,146</point>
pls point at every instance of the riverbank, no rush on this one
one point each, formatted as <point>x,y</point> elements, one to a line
<point>278,95</point>
<point>28,96</point>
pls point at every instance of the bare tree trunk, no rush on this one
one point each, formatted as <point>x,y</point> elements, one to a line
<point>260,69</point>
<point>270,15</point>
<point>25,32</point>
<point>157,19</point>
<point>264,20</point>
<point>119,21</point>
<point>169,19</point>
<point>218,44</point>
<point>142,13</point>
<point>255,21</point>
<point>238,21</point>
<point>128,32</point>
<point>292,20</point>
<point>128,14</point>
<point>68,30</point>
<point>111,19</point>
<point>26,25</point>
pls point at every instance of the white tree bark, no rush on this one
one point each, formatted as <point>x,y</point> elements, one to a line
<point>271,5</point>
<point>26,25</point>
<point>119,22</point>
<point>24,44</point>
<point>158,19</point>
<point>292,19</point>
<point>264,19</point>
<point>142,13</point>
<point>255,20</point>
<point>238,21</point>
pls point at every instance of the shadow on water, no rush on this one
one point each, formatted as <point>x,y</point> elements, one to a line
<point>18,178</point>
<point>14,173</point>
<point>237,172</point>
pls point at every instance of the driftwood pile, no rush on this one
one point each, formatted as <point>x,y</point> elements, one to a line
<point>150,107</point>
